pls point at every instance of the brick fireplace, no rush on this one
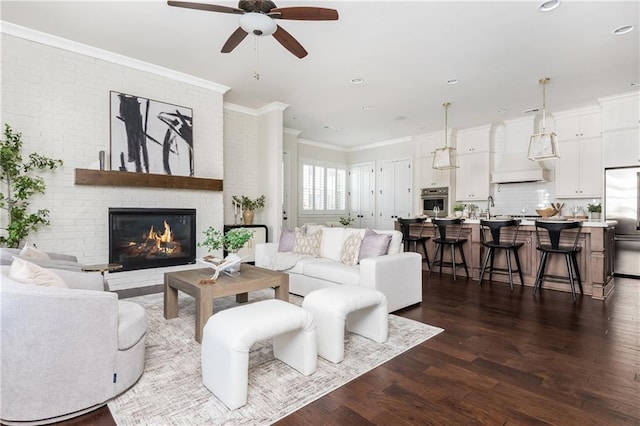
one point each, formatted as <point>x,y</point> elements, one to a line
<point>141,238</point>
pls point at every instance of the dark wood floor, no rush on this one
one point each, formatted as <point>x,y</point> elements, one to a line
<point>504,358</point>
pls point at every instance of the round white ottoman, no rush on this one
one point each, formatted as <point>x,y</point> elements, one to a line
<point>361,310</point>
<point>229,334</point>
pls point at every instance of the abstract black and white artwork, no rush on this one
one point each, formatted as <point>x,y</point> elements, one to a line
<point>149,136</point>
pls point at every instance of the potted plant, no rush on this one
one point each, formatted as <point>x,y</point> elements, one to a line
<point>346,220</point>
<point>594,210</point>
<point>248,206</point>
<point>458,209</point>
<point>18,186</point>
<point>232,241</point>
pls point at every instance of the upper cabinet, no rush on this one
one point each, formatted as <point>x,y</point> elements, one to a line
<point>580,125</point>
<point>579,169</point>
<point>474,159</point>
<point>621,130</point>
<point>433,178</point>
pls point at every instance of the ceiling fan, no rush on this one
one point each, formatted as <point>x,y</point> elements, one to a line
<point>258,19</point>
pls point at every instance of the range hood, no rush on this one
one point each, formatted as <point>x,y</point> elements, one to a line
<point>517,168</point>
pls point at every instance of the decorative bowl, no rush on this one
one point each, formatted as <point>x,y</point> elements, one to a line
<point>548,212</point>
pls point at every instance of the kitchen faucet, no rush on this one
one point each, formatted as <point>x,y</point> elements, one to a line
<point>490,204</point>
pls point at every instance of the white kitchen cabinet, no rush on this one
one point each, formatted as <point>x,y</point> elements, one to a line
<point>621,147</point>
<point>621,112</point>
<point>472,177</point>
<point>579,170</point>
<point>396,192</point>
<point>433,178</point>
<point>577,126</point>
<point>362,202</point>
<point>473,140</point>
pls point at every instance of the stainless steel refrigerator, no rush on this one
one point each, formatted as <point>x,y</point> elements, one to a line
<point>622,203</point>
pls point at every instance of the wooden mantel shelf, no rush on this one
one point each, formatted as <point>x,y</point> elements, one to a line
<point>117,178</point>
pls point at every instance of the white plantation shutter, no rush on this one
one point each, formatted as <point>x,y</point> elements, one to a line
<point>323,188</point>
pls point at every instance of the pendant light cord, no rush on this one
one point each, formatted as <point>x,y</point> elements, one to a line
<point>446,109</point>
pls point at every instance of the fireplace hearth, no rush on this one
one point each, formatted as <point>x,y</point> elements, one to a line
<point>141,238</point>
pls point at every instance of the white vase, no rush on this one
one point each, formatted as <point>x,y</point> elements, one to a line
<point>235,269</point>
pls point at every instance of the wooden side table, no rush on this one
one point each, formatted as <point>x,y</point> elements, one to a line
<point>102,268</point>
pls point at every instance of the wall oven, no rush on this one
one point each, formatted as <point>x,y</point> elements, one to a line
<point>435,197</point>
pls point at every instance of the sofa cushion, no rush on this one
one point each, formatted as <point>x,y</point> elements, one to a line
<point>287,240</point>
<point>307,243</point>
<point>374,244</point>
<point>330,270</point>
<point>30,251</point>
<point>331,243</point>
<point>351,249</point>
<point>131,324</point>
<point>29,273</point>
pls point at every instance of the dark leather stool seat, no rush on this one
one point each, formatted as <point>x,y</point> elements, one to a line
<point>442,240</point>
<point>408,239</point>
<point>494,228</point>
<point>549,243</point>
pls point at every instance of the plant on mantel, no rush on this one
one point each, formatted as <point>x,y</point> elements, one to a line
<point>19,186</point>
<point>248,205</point>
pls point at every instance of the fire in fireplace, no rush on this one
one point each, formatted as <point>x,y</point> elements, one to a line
<point>142,238</point>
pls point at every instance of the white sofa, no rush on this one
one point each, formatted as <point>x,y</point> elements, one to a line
<point>397,274</point>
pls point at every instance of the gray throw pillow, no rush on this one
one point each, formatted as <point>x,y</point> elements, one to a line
<point>287,240</point>
<point>373,244</point>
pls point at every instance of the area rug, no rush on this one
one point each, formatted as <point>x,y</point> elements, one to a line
<point>170,391</point>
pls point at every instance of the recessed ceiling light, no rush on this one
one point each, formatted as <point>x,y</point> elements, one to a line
<point>335,129</point>
<point>502,111</point>
<point>366,107</point>
<point>549,5</point>
<point>357,80</point>
<point>625,29</point>
<point>453,81</point>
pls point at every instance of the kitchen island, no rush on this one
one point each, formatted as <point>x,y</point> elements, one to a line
<point>596,259</point>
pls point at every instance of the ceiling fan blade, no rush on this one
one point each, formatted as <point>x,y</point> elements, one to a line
<point>234,40</point>
<point>289,43</point>
<point>302,13</point>
<point>205,6</point>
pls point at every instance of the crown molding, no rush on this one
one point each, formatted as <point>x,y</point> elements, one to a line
<point>105,55</point>
<point>382,143</point>
<point>321,145</point>
<point>241,109</point>
<point>273,106</point>
<point>290,131</point>
<point>620,97</point>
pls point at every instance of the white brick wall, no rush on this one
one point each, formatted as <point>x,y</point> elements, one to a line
<point>59,100</point>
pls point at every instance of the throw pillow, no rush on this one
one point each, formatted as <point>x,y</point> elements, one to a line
<point>31,251</point>
<point>29,273</point>
<point>373,244</point>
<point>287,240</point>
<point>307,243</point>
<point>350,249</point>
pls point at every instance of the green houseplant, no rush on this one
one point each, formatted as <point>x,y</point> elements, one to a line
<point>19,185</point>
<point>594,210</point>
<point>346,220</point>
<point>232,241</point>
<point>458,209</point>
<point>248,206</point>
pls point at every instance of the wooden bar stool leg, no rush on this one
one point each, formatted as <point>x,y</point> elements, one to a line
<point>426,254</point>
<point>540,273</point>
<point>464,261</point>
<point>574,257</point>
<point>515,254</point>
<point>453,260</point>
<point>491,266</point>
<point>484,262</point>
<point>509,268</point>
<point>435,259</point>
<point>570,271</point>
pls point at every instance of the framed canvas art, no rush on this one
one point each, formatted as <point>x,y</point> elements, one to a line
<point>149,136</point>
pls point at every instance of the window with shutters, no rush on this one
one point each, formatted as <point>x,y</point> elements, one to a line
<point>323,189</point>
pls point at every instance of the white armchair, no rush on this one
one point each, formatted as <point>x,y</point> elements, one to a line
<point>65,351</point>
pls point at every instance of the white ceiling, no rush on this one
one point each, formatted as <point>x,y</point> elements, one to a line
<point>404,51</point>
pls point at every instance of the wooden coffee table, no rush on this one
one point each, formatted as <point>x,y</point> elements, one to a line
<point>251,278</point>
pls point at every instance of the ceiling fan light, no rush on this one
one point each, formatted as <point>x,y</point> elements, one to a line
<point>257,24</point>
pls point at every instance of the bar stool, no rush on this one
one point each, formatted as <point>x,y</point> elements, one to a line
<point>440,229</point>
<point>407,238</point>
<point>550,244</point>
<point>494,227</point>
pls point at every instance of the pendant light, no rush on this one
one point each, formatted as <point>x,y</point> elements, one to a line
<point>445,158</point>
<point>543,145</point>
